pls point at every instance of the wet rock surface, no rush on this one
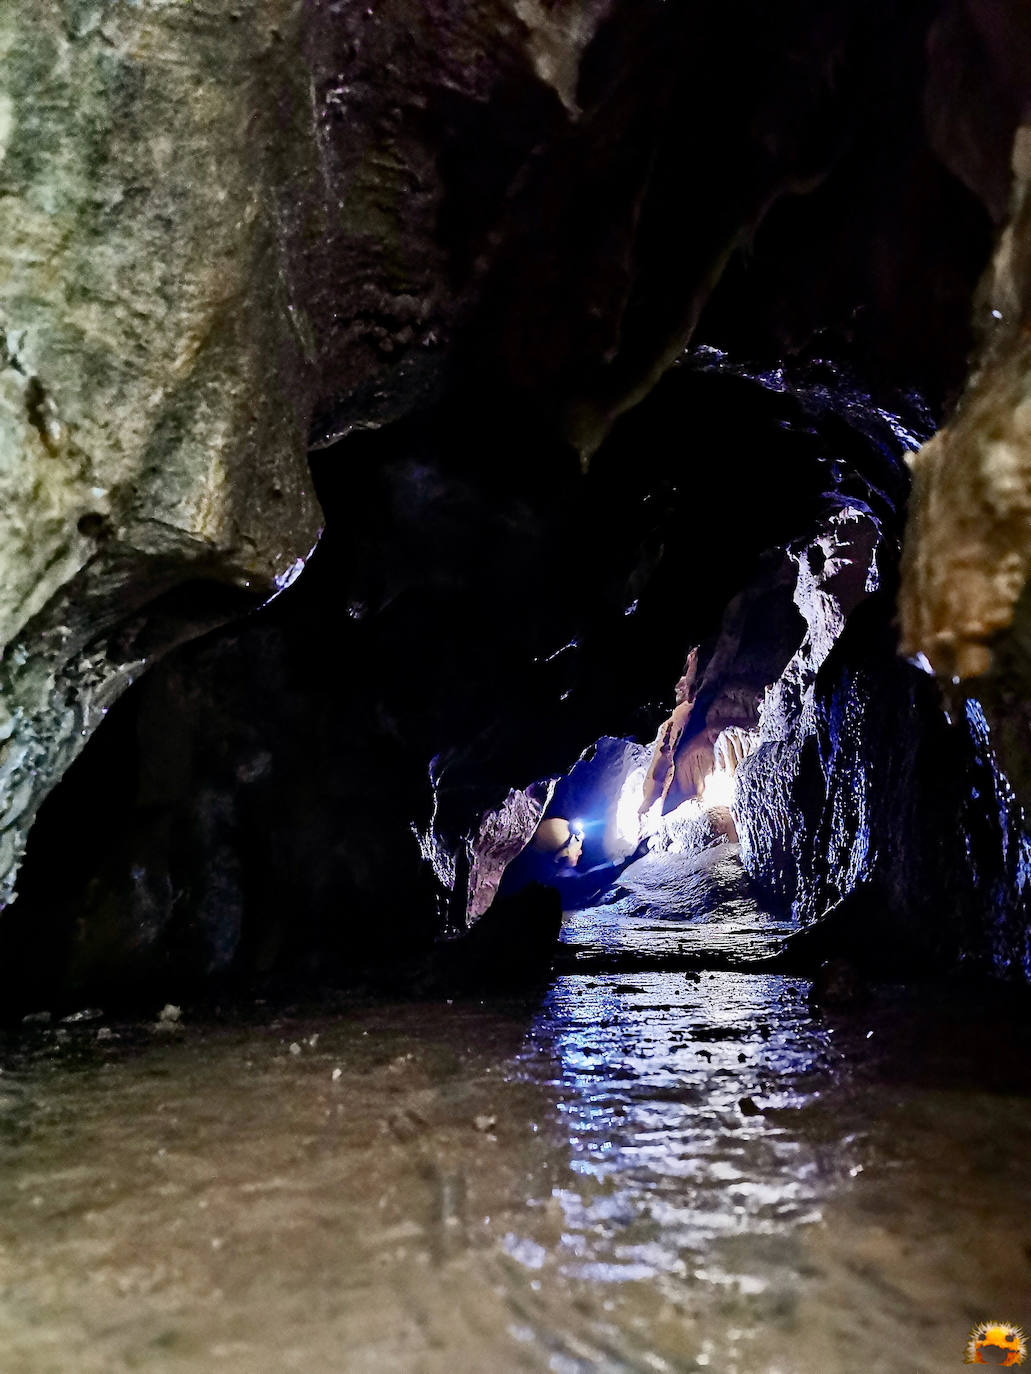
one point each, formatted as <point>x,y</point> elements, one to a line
<point>456,240</point>
<point>866,798</point>
<point>886,818</point>
<point>685,911</point>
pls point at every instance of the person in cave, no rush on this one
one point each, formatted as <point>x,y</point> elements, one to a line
<point>551,859</point>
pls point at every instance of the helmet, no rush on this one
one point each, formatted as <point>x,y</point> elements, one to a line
<point>552,835</point>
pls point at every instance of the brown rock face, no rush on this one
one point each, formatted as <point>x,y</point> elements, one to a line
<point>968,549</point>
<point>967,553</point>
<point>719,695</point>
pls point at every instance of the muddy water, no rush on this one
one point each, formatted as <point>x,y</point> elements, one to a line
<point>634,1172</point>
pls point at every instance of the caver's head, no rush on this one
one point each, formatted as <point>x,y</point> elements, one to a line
<point>562,840</point>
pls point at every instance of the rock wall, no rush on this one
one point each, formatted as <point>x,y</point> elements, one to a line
<point>874,806</point>
<point>227,229</point>
<point>964,597</point>
<point>503,835</point>
<point>446,244</point>
<point>884,821</point>
<point>724,682</point>
<point>224,231</point>
<point>965,601</point>
<point>154,391</point>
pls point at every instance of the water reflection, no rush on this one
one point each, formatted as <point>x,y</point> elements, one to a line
<point>647,1172</point>
<point>674,1091</point>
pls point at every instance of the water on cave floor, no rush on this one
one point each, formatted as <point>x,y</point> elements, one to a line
<point>693,908</point>
<point>641,1171</point>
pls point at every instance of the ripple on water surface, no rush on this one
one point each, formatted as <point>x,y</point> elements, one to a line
<point>656,1171</point>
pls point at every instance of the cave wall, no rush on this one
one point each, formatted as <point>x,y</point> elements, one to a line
<point>461,268</point>
<point>871,802</point>
<point>874,806</point>
<point>724,682</point>
<point>884,823</point>
<point>294,796</point>
<point>154,393</point>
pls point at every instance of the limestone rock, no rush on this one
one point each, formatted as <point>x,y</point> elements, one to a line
<point>154,391</point>
<point>217,222</point>
<point>724,682</point>
<point>968,547</point>
<point>502,835</point>
<point>967,554</point>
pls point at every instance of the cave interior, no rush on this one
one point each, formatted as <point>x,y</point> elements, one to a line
<point>621,538</point>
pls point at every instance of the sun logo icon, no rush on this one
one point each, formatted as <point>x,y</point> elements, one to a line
<point>998,1343</point>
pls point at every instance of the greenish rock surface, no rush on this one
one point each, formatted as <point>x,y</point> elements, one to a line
<point>155,385</point>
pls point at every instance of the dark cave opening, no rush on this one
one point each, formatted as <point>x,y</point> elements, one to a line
<point>266,777</point>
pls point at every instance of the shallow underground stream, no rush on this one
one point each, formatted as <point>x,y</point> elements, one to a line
<point>633,1170</point>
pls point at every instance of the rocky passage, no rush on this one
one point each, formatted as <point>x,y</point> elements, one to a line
<point>685,911</point>
<point>619,382</point>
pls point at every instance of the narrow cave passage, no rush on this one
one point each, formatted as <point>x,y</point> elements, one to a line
<point>254,1118</point>
<point>697,1132</point>
<point>515,686</point>
<point>689,1127</point>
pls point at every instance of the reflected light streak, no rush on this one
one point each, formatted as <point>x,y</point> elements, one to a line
<point>718,789</point>
<point>663,1170</point>
<point>628,819</point>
